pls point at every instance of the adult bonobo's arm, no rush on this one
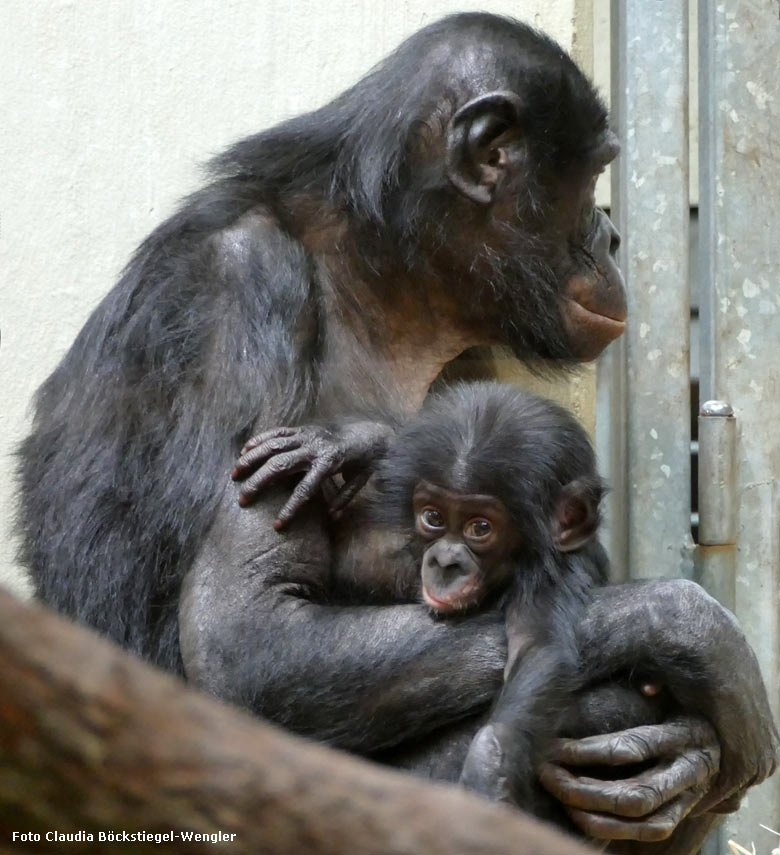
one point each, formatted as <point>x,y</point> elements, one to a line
<point>256,628</point>
<point>667,630</point>
<point>697,649</point>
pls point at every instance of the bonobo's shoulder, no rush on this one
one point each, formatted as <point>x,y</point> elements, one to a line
<point>683,591</point>
<point>692,602</point>
<point>254,237</point>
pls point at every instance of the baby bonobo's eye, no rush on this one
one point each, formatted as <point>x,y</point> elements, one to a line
<point>431,518</point>
<point>478,529</point>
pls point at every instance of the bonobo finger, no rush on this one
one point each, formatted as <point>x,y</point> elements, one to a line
<point>730,805</point>
<point>636,744</point>
<point>347,493</point>
<point>650,829</point>
<point>307,488</point>
<point>277,467</point>
<point>252,459</point>
<point>631,797</point>
<point>274,433</point>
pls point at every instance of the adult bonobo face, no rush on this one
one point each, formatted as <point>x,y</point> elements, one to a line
<point>523,155</point>
<point>468,542</point>
<point>593,299</point>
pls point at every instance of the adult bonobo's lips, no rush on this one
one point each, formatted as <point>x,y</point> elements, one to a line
<point>611,323</point>
<point>594,311</point>
<point>590,331</point>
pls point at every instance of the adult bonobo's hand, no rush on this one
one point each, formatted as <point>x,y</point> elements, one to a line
<point>649,805</point>
<point>675,629</point>
<point>320,451</point>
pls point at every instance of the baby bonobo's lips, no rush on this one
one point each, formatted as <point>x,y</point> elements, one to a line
<point>451,604</point>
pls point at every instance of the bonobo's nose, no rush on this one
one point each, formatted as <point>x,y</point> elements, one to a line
<point>607,235</point>
<point>447,558</point>
<point>614,239</point>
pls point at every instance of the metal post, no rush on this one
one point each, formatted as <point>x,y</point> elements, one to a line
<point>739,98</point>
<point>718,500</point>
<point>650,204</point>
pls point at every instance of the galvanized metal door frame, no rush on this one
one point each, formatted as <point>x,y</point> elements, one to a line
<point>643,421</point>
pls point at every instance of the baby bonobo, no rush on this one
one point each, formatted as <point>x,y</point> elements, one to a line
<point>502,492</point>
<point>489,497</point>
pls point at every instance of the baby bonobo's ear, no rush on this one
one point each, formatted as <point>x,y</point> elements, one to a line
<point>577,514</point>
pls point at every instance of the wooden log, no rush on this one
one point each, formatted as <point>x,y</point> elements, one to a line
<point>94,741</point>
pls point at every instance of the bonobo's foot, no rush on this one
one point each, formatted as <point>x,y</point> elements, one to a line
<point>490,770</point>
<point>483,769</point>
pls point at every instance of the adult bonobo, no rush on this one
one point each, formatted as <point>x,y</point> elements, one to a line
<point>333,265</point>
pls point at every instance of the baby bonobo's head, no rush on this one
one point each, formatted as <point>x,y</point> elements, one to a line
<point>490,474</point>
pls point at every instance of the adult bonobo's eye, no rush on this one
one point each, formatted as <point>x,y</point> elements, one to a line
<point>478,529</point>
<point>431,519</point>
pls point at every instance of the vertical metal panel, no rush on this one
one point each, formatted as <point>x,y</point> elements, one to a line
<point>739,78</point>
<point>650,204</point>
<point>716,552</point>
<point>717,474</point>
<point>611,452</point>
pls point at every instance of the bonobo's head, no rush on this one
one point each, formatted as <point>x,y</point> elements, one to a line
<point>501,138</point>
<point>486,476</point>
<point>462,169</point>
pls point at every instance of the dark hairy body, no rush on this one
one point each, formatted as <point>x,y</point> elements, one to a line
<point>335,263</point>
<point>488,498</point>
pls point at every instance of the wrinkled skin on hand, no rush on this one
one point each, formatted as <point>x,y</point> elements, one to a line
<point>663,772</point>
<point>320,452</point>
<point>647,806</point>
<point>696,766</point>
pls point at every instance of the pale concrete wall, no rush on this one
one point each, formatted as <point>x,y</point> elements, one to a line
<point>107,110</point>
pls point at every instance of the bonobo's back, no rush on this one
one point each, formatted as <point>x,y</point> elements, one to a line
<point>135,431</point>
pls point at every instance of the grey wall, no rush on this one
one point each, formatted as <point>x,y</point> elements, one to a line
<point>107,110</point>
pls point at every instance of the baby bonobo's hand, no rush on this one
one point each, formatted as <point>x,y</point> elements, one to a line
<point>349,449</point>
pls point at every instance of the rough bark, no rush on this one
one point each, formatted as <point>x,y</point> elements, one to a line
<point>93,740</point>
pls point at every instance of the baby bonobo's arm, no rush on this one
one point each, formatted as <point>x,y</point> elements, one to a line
<point>541,680</point>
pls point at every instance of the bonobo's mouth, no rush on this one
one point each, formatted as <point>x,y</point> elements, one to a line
<point>453,604</point>
<point>589,331</point>
<point>588,317</point>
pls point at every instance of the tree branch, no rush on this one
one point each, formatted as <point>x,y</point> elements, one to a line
<point>93,740</point>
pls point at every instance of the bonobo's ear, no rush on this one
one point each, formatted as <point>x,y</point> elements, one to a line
<point>477,140</point>
<point>576,515</point>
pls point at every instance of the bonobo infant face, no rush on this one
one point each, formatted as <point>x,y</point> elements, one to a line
<point>468,541</point>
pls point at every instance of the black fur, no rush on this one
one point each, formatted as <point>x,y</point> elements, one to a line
<point>184,355</point>
<point>226,322</point>
<point>494,439</point>
<point>498,440</point>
